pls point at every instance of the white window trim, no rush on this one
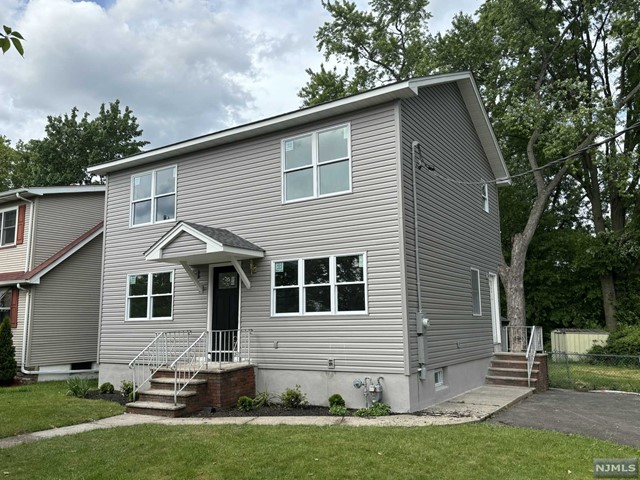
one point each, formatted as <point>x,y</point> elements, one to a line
<point>485,197</point>
<point>150,295</point>
<point>15,236</point>
<point>153,197</point>
<point>314,164</point>
<point>479,294</point>
<point>441,383</point>
<point>333,284</point>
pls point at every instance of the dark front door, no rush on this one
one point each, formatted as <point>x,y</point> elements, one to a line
<point>225,312</point>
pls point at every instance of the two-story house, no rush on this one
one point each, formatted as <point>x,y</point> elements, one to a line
<point>356,238</point>
<point>50,262</point>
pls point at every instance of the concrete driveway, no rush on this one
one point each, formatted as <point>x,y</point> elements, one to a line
<point>607,416</point>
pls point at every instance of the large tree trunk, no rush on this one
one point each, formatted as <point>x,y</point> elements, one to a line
<point>607,285</point>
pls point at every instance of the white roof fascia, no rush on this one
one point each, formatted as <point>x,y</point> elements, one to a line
<point>36,278</point>
<point>69,189</point>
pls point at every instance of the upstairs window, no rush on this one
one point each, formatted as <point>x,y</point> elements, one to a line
<point>150,296</point>
<point>485,197</point>
<point>476,305</point>
<point>8,227</point>
<point>326,285</point>
<point>316,164</point>
<point>153,196</point>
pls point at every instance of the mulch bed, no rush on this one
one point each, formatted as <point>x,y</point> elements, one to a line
<point>272,411</point>
<point>112,397</point>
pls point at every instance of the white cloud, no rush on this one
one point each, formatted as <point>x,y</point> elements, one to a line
<point>185,67</point>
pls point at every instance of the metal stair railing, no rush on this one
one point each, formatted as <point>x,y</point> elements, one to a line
<point>189,364</point>
<point>161,352</point>
<point>230,346</point>
<point>535,344</point>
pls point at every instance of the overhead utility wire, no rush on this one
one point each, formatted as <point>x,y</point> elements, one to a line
<point>432,169</point>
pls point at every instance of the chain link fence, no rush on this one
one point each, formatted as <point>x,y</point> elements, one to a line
<point>581,371</point>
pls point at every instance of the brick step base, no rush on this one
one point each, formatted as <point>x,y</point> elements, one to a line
<point>511,372</point>
<point>511,381</point>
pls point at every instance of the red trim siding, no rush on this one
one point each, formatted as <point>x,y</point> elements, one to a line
<point>20,230</point>
<point>13,313</point>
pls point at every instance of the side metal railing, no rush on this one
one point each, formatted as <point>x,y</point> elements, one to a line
<point>230,346</point>
<point>189,364</point>
<point>535,340</point>
<point>517,339</point>
<point>161,352</point>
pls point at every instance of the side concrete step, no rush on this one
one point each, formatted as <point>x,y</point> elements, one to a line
<point>511,381</point>
<point>511,372</point>
<point>157,408</point>
<point>165,383</point>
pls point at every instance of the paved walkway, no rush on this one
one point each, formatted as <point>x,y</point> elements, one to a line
<point>473,406</point>
<point>609,416</point>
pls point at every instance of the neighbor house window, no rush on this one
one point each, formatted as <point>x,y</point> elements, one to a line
<point>485,197</point>
<point>316,164</point>
<point>153,196</point>
<point>476,306</point>
<point>150,296</point>
<point>9,306</point>
<point>325,285</point>
<point>8,227</point>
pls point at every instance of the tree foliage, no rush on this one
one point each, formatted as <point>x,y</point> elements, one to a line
<point>73,142</point>
<point>9,37</point>
<point>8,365</point>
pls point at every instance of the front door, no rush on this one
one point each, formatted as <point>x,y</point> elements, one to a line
<point>226,296</point>
<point>495,310</point>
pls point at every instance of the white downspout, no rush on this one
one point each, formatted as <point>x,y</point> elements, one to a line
<point>27,308</point>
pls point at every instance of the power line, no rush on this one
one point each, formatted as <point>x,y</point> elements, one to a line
<point>432,168</point>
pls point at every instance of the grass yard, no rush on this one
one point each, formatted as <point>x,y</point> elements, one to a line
<point>156,452</point>
<point>45,405</point>
<point>594,377</point>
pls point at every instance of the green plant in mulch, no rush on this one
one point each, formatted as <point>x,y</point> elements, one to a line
<point>245,403</point>
<point>107,388</point>
<point>263,399</point>
<point>336,399</point>
<point>126,388</point>
<point>338,410</point>
<point>376,410</point>
<point>293,398</point>
<point>78,387</point>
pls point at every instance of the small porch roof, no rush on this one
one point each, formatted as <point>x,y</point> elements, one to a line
<point>215,245</point>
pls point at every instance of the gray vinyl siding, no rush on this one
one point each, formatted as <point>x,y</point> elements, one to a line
<point>238,187</point>
<point>62,218</point>
<point>456,234</point>
<point>12,259</point>
<point>64,318</point>
<point>184,244</point>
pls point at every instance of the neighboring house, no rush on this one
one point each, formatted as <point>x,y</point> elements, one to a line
<point>299,230</point>
<point>50,260</point>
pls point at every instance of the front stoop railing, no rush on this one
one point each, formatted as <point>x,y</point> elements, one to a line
<point>526,339</point>
<point>187,353</point>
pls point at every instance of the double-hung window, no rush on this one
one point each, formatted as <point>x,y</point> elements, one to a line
<point>476,305</point>
<point>150,296</point>
<point>316,164</point>
<point>8,227</point>
<point>325,285</point>
<point>485,197</point>
<point>153,196</point>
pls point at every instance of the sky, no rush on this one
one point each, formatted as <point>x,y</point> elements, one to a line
<point>185,67</point>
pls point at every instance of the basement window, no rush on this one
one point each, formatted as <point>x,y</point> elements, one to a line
<point>438,377</point>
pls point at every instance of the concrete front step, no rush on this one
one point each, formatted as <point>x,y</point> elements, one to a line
<point>166,396</point>
<point>511,372</point>
<point>512,381</point>
<point>512,364</point>
<point>157,408</point>
<point>165,383</point>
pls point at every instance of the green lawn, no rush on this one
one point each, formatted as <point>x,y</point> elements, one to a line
<point>288,452</point>
<point>594,377</point>
<point>44,405</point>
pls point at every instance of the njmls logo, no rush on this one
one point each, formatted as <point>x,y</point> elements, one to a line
<point>615,468</point>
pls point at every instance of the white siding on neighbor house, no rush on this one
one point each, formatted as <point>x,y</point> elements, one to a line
<point>238,187</point>
<point>456,234</point>
<point>184,244</point>
<point>61,218</point>
<point>12,259</point>
<point>64,315</point>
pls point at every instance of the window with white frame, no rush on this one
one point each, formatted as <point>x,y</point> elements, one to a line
<point>485,197</point>
<point>150,296</point>
<point>326,285</point>
<point>153,196</point>
<point>8,227</point>
<point>476,306</point>
<point>438,377</point>
<point>316,164</point>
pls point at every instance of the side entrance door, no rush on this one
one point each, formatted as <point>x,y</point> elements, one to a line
<point>226,296</point>
<point>495,311</point>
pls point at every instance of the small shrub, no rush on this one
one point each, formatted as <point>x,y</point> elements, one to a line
<point>293,398</point>
<point>133,397</point>
<point>336,400</point>
<point>375,410</point>
<point>263,399</point>
<point>339,410</point>
<point>8,365</point>
<point>78,387</point>
<point>126,388</point>
<point>106,388</point>
<point>245,404</point>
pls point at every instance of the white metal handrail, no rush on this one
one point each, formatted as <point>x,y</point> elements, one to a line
<point>161,352</point>
<point>517,339</point>
<point>189,364</point>
<point>531,353</point>
<point>230,346</point>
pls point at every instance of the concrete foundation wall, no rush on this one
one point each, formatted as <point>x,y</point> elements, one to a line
<point>458,379</point>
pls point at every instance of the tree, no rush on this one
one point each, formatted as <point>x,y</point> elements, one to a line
<point>74,142</point>
<point>8,365</point>
<point>9,160</point>
<point>523,53</point>
<point>11,37</point>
